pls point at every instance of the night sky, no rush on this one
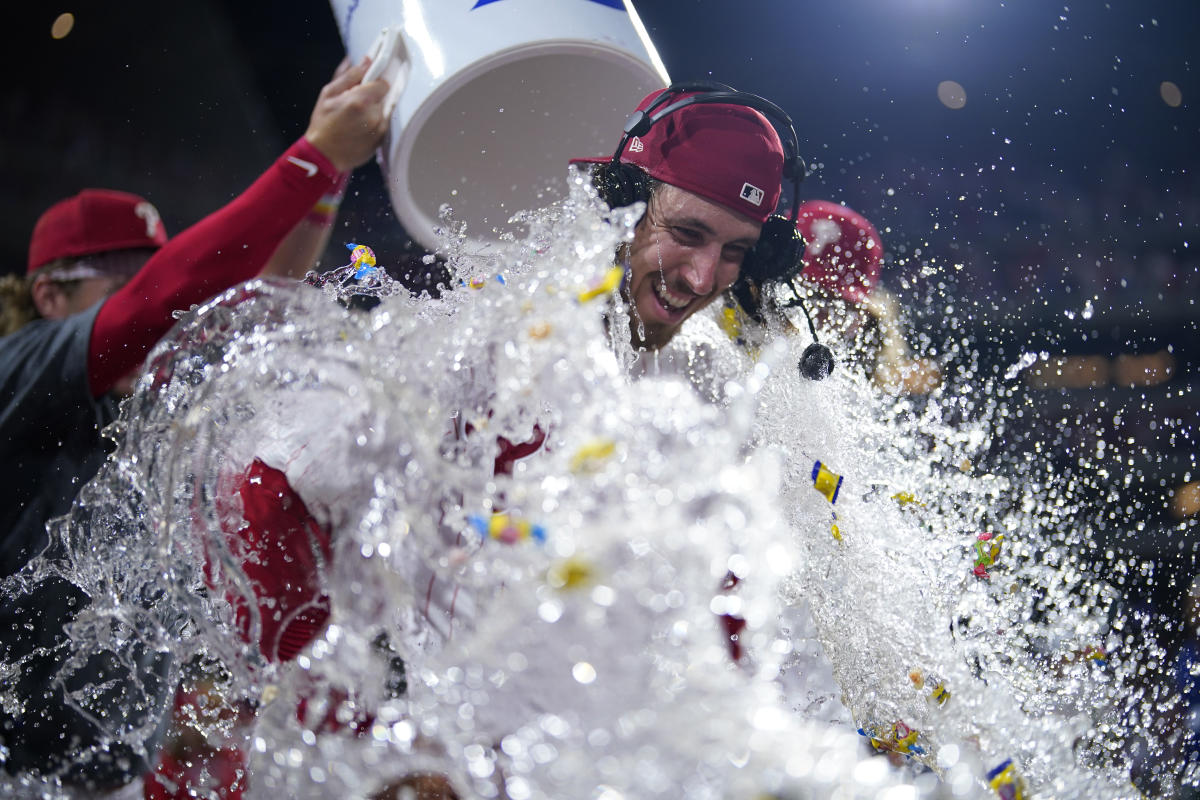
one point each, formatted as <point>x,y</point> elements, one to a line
<point>188,101</point>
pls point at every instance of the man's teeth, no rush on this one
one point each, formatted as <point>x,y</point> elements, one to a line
<point>669,299</point>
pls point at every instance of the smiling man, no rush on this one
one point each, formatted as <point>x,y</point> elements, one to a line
<point>686,252</point>
<point>711,175</point>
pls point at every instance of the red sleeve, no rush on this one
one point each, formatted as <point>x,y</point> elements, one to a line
<point>223,249</point>
<point>282,548</point>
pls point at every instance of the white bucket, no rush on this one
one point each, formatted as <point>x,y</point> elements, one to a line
<point>498,96</point>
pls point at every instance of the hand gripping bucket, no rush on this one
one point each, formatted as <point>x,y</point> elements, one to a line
<point>497,96</point>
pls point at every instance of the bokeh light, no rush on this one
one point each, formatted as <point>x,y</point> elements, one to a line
<point>1186,502</point>
<point>952,94</point>
<point>1170,94</point>
<point>63,25</point>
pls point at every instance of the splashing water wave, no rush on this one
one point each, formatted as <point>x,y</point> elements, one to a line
<point>560,631</point>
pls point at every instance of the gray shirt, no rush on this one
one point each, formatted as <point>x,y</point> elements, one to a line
<point>50,446</point>
<point>50,443</point>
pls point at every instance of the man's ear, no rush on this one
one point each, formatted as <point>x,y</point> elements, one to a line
<point>49,298</point>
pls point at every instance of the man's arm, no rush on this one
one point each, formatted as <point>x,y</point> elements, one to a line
<point>232,244</point>
<point>302,247</point>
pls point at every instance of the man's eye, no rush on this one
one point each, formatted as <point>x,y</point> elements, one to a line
<point>686,235</point>
<point>737,254</point>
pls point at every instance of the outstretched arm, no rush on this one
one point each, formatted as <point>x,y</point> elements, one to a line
<point>232,244</point>
<point>302,247</point>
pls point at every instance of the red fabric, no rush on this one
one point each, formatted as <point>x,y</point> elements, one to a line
<point>217,774</point>
<point>732,624</point>
<point>94,221</point>
<point>510,453</point>
<point>282,548</point>
<point>733,628</point>
<point>223,249</point>
<point>276,545</point>
<point>843,257</point>
<point>714,150</point>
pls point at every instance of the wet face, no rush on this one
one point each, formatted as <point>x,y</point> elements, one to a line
<point>685,252</point>
<point>59,299</point>
<point>66,289</point>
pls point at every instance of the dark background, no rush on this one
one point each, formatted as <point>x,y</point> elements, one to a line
<point>1057,210</point>
<point>187,102</point>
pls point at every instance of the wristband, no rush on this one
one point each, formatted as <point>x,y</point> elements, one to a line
<point>324,212</point>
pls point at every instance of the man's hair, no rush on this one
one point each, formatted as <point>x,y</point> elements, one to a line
<point>16,299</point>
<point>622,185</point>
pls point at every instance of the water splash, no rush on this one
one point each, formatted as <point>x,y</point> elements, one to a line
<point>674,491</point>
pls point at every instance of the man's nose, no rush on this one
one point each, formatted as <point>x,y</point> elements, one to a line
<point>701,271</point>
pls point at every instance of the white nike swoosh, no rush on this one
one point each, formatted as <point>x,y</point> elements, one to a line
<point>307,166</point>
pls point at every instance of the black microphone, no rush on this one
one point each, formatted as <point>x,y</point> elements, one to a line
<point>816,362</point>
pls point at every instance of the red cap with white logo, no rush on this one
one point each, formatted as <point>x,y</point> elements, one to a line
<point>95,221</point>
<point>729,154</point>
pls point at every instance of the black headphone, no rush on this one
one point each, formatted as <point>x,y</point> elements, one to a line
<point>775,257</point>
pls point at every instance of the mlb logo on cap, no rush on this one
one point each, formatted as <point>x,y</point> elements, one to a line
<point>752,194</point>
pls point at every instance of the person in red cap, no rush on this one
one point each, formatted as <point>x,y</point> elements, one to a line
<point>843,256</point>
<point>103,282</point>
<point>84,248</point>
<point>843,252</point>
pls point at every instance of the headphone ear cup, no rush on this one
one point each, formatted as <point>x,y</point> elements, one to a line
<point>794,169</point>
<point>776,255</point>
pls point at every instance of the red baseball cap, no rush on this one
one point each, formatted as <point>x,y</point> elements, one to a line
<point>843,251</point>
<point>729,154</point>
<point>95,221</point>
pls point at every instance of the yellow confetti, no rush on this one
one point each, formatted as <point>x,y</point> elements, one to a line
<point>906,499</point>
<point>730,322</point>
<point>571,573</point>
<point>591,456</point>
<point>611,280</point>
<point>826,481</point>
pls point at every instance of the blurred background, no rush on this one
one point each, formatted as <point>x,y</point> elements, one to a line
<point>1031,166</point>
